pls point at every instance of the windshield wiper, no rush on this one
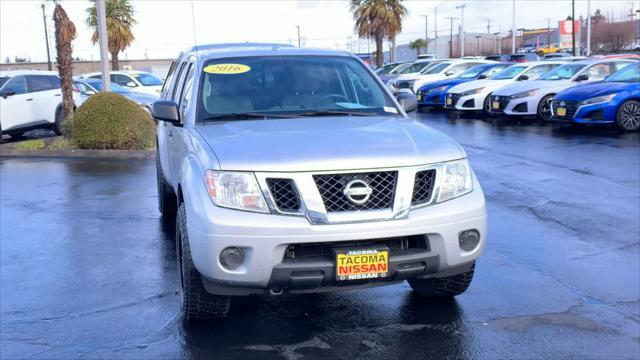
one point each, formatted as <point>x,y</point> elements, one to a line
<point>244,115</point>
<point>335,112</point>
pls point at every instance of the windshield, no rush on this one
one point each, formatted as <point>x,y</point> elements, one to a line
<point>3,80</point>
<point>509,73</point>
<point>437,68</point>
<point>147,79</point>
<point>474,71</point>
<point>564,72</point>
<point>398,69</point>
<point>282,85</point>
<point>629,74</point>
<point>414,68</point>
<point>114,87</point>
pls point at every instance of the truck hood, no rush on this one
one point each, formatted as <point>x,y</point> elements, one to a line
<point>326,143</point>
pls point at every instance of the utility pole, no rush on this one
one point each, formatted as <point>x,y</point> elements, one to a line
<point>488,26</point>
<point>435,31</point>
<point>573,27</point>
<point>298,27</point>
<point>478,38</point>
<point>513,28</point>
<point>426,28</point>
<point>549,32</point>
<point>461,7</point>
<point>588,28</point>
<point>102,42</point>
<point>451,36</point>
<point>46,37</point>
<point>498,43</point>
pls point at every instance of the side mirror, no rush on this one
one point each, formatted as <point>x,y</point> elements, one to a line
<point>6,93</point>
<point>482,77</point>
<point>131,84</point>
<point>522,78</point>
<point>582,77</point>
<point>408,101</point>
<point>165,110</point>
<point>449,73</point>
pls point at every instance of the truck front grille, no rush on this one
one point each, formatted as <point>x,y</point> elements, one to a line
<point>284,194</point>
<point>325,249</point>
<point>332,186</point>
<point>423,186</point>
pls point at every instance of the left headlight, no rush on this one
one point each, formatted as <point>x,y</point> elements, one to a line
<point>598,99</point>
<point>456,180</point>
<point>472,92</point>
<point>523,94</point>
<point>235,190</point>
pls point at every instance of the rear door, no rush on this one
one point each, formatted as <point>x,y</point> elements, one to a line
<point>45,97</point>
<point>16,110</point>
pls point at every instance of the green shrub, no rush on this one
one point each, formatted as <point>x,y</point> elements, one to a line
<point>62,143</point>
<point>31,145</point>
<point>111,121</point>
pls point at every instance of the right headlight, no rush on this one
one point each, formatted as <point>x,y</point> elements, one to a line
<point>235,190</point>
<point>598,99</point>
<point>456,180</point>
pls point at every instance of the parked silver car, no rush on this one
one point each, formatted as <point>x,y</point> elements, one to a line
<point>88,87</point>
<point>296,171</point>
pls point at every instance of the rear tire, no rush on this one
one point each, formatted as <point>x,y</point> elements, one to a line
<point>628,115</point>
<point>445,287</point>
<point>196,303</point>
<point>57,125</point>
<point>166,197</point>
<point>544,108</point>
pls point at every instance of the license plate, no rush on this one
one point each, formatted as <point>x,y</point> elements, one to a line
<point>449,101</point>
<point>496,105</point>
<point>419,97</point>
<point>362,264</point>
<point>561,111</point>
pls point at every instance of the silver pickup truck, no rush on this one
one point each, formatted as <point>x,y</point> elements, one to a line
<point>291,170</point>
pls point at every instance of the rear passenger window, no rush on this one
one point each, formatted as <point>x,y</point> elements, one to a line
<point>55,82</point>
<point>599,71</point>
<point>122,80</point>
<point>39,83</point>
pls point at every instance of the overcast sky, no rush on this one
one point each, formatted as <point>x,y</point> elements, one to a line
<point>166,27</point>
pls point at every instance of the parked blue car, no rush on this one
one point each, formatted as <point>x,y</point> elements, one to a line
<point>616,100</point>
<point>433,94</point>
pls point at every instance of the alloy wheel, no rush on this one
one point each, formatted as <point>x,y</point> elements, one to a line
<point>630,116</point>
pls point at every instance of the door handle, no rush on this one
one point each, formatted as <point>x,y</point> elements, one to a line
<point>30,99</point>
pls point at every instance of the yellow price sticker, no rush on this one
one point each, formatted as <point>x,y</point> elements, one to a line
<point>227,69</point>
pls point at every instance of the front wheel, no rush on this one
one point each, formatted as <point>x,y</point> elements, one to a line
<point>57,125</point>
<point>628,115</point>
<point>445,287</point>
<point>544,108</point>
<point>166,196</point>
<point>487,105</point>
<point>196,303</point>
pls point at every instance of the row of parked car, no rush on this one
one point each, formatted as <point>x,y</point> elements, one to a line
<point>32,99</point>
<point>603,90</point>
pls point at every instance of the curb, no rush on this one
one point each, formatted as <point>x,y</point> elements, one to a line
<point>104,154</point>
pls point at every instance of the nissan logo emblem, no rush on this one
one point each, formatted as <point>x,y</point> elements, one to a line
<point>357,191</point>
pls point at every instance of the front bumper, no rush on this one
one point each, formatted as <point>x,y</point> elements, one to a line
<point>432,99</point>
<point>472,102</point>
<point>265,239</point>
<point>597,114</point>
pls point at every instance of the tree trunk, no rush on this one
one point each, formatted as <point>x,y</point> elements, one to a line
<point>64,58</point>
<point>379,50</point>
<point>114,61</point>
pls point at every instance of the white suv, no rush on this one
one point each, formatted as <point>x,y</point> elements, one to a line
<point>138,81</point>
<point>30,99</point>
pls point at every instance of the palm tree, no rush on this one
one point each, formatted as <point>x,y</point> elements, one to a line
<point>120,20</point>
<point>378,19</point>
<point>417,45</point>
<point>65,33</point>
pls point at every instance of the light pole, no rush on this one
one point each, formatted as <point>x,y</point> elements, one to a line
<point>435,29</point>
<point>46,37</point>
<point>588,28</point>
<point>478,38</point>
<point>461,35</point>
<point>451,36</point>
<point>102,42</point>
<point>498,43</point>
<point>298,27</point>
<point>513,28</point>
<point>573,27</point>
<point>426,28</point>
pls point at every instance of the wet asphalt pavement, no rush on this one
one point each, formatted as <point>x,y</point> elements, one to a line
<point>88,269</point>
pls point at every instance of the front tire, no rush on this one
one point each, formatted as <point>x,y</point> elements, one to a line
<point>196,303</point>
<point>445,287</point>
<point>544,108</point>
<point>57,125</point>
<point>628,115</point>
<point>486,105</point>
<point>166,197</point>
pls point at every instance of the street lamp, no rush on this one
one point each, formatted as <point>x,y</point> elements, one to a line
<point>478,39</point>
<point>498,43</point>
<point>461,7</point>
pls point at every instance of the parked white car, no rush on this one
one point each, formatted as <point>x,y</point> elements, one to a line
<point>30,99</point>
<point>138,81</point>
<point>409,73</point>
<point>534,97</point>
<point>445,70</point>
<point>474,95</point>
